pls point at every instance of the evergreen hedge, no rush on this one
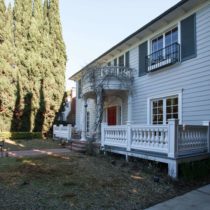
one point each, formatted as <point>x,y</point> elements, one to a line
<point>32,65</point>
<point>20,135</point>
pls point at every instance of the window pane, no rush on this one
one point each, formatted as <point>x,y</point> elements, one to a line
<point>160,103</point>
<point>175,35</point>
<point>154,46</point>
<point>154,104</point>
<point>160,117</point>
<point>160,110</point>
<point>157,44</point>
<point>168,116</point>
<point>160,43</point>
<point>175,109</point>
<point>154,118</point>
<point>168,39</point>
<point>169,109</point>
<point>168,102</point>
<point>175,116</point>
<point>176,101</point>
<point>154,110</point>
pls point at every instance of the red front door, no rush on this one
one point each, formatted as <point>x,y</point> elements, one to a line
<point>112,115</point>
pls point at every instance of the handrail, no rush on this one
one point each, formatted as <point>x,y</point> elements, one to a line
<point>163,57</point>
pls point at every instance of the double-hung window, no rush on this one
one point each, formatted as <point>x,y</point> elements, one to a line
<point>164,109</point>
<point>164,49</point>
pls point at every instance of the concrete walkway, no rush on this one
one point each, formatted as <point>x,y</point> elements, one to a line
<point>195,200</point>
<point>38,152</point>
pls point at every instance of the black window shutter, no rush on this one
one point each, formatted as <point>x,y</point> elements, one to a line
<point>188,37</point>
<point>142,59</point>
<point>115,62</point>
<point>121,60</point>
<point>79,88</point>
<point>127,59</point>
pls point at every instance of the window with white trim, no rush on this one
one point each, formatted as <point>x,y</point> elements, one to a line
<point>164,40</point>
<point>163,109</point>
<point>164,49</point>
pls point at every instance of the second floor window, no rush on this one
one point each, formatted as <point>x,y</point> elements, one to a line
<point>165,40</point>
<point>164,46</point>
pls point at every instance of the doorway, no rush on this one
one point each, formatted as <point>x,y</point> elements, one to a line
<point>112,115</point>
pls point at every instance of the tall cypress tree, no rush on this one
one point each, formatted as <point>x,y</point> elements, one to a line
<point>56,56</point>
<point>48,79</point>
<point>22,22</point>
<point>35,61</point>
<point>7,67</point>
<point>32,67</point>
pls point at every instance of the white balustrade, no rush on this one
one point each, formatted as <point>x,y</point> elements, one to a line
<point>150,138</point>
<point>171,139</point>
<point>115,135</point>
<point>62,132</point>
<point>192,138</point>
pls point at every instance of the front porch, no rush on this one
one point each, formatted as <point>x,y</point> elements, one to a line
<point>170,144</point>
<point>105,97</point>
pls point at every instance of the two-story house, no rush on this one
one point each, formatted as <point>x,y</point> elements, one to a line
<point>149,95</point>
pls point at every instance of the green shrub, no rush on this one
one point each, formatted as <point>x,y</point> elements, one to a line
<point>20,135</point>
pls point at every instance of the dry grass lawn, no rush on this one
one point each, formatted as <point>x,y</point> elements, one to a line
<point>17,145</point>
<point>83,182</point>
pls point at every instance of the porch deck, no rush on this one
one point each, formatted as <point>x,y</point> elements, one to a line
<point>169,144</point>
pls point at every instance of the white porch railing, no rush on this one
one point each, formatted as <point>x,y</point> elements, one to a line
<point>62,132</point>
<point>192,138</point>
<point>149,138</point>
<point>171,139</point>
<point>115,136</point>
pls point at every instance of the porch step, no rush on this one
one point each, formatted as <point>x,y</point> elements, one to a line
<point>76,136</point>
<point>78,146</point>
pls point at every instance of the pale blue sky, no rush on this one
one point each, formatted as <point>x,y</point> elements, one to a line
<point>90,27</point>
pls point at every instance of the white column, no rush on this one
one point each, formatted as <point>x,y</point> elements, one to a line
<point>172,137</point>
<point>83,133</point>
<point>129,109</point>
<point>103,125</point>
<point>173,169</point>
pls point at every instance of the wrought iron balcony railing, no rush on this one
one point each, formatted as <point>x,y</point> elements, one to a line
<point>118,76</point>
<point>164,57</point>
<point>99,73</point>
<point>117,71</point>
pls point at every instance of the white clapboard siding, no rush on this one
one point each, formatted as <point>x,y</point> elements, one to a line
<point>191,76</point>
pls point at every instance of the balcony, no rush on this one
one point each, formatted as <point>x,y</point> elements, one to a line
<point>110,77</point>
<point>164,57</point>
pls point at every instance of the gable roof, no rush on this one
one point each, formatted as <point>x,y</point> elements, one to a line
<point>142,29</point>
